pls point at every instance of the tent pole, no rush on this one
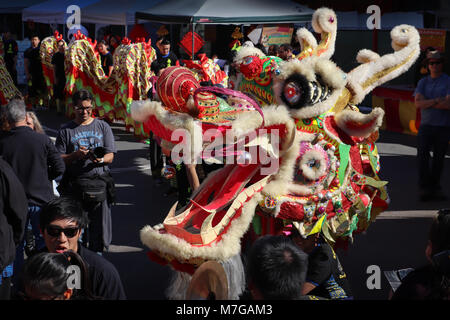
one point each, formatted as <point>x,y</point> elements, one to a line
<point>193,41</point>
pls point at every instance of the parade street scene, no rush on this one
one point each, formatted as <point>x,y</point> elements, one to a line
<point>242,152</point>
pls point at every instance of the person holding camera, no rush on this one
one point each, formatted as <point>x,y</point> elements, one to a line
<point>87,147</point>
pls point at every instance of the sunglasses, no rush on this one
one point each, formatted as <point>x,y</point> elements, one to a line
<point>434,63</point>
<point>81,109</point>
<point>56,231</point>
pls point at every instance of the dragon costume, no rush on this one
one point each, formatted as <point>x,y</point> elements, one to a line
<point>297,150</point>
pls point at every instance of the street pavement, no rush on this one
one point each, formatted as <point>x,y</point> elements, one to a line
<point>396,240</point>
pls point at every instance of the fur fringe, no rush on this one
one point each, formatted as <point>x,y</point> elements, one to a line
<point>220,251</point>
<point>346,116</point>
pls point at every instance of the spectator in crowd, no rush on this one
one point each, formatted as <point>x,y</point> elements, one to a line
<point>34,123</point>
<point>36,163</point>
<point>276,269</point>
<point>421,69</point>
<point>326,277</point>
<point>432,97</point>
<point>59,75</point>
<point>273,50</point>
<point>431,282</point>
<point>113,43</point>
<point>10,54</point>
<point>13,216</point>
<point>47,276</point>
<point>34,74</point>
<point>62,222</point>
<point>165,58</point>
<point>285,52</point>
<point>106,58</point>
<point>295,44</point>
<point>87,146</point>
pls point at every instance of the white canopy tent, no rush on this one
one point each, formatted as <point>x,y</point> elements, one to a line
<point>16,6</point>
<point>226,12</point>
<point>53,11</point>
<point>106,12</point>
<point>98,12</point>
<point>115,12</point>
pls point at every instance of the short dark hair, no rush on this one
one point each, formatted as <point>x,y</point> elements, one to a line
<point>47,274</point>
<point>273,49</point>
<point>64,207</point>
<point>81,95</point>
<point>277,268</point>
<point>102,42</point>
<point>164,41</point>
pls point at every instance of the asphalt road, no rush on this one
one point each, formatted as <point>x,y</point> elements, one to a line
<point>396,240</point>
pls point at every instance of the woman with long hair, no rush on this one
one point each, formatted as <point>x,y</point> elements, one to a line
<point>33,122</point>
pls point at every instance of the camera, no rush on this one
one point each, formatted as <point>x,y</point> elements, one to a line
<point>98,152</point>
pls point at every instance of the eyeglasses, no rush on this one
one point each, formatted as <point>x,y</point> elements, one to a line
<point>81,109</point>
<point>54,231</point>
<point>433,63</point>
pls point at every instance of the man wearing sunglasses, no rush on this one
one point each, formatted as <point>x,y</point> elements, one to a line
<point>432,97</point>
<point>76,142</point>
<point>61,223</point>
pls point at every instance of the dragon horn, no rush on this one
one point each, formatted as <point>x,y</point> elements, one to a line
<point>307,43</point>
<point>376,70</point>
<point>324,21</point>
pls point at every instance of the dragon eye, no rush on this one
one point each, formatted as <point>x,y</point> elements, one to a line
<point>292,92</point>
<point>296,91</point>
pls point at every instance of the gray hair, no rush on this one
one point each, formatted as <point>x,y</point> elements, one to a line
<point>16,111</point>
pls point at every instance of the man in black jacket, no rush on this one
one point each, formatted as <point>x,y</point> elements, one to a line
<point>13,215</point>
<point>35,161</point>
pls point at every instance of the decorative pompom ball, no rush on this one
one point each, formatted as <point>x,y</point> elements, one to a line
<point>251,67</point>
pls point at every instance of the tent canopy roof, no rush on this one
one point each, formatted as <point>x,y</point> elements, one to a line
<point>16,6</point>
<point>227,12</point>
<point>116,12</point>
<point>53,11</point>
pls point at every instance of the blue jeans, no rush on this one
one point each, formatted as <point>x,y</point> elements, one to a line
<point>31,224</point>
<point>436,139</point>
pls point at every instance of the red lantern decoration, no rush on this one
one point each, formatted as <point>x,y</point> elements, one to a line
<point>186,43</point>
